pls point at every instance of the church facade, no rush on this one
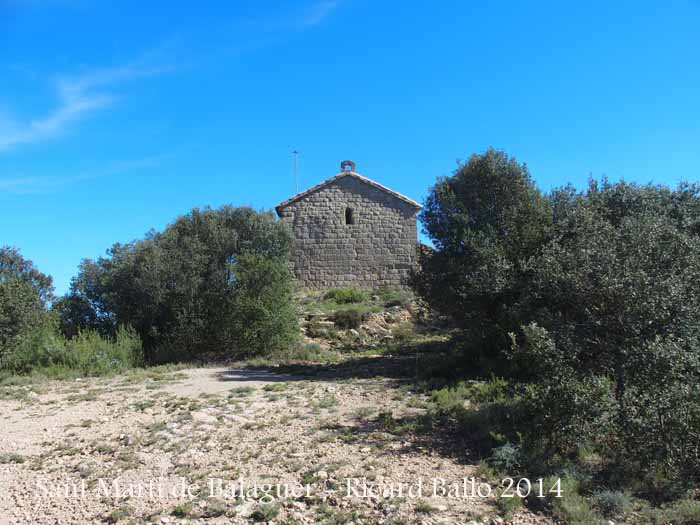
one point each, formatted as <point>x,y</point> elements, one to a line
<point>351,231</point>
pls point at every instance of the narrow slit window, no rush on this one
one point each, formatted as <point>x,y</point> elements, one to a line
<point>349,216</point>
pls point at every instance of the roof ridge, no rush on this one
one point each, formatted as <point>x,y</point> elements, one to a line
<point>339,176</point>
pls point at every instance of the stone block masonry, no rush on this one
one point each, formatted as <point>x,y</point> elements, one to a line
<point>351,231</point>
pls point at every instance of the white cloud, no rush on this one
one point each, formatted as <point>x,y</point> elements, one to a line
<point>77,97</point>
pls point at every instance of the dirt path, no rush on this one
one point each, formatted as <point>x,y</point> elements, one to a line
<point>221,380</point>
<point>127,450</point>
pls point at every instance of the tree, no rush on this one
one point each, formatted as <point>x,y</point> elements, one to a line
<point>14,267</point>
<point>25,294</point>
<point>616,297</point>
<point>617,276</point>
<point>75,314</point>
<point>187,291</point>
<point>485,221</point>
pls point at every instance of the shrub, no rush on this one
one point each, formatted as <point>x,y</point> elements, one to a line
<point>213,282</point>
<point>491,391</point>
<point>403,333</point>
<point>448,398</point>
<point>261,318</point>
<point>485,222</point>
<point>346,295</point>
<point>394,297</point>
<point>24,297</point>
<point>317,330</point>
<point>182,510</point>
<point>93,354</point>
<point>11,457</point>
<point>266,512</point>
<point>349,317</point>
<point>572,508</point>
<point>488,423</point>
<point>657,484</point>
<point>659,442</point>
<point>615,293</point>
<point>506,458</point>
<point>312,352</point>
<point>87,354</point>
<point>507,506</point>
<point>612,503</point>
<point>682,512</point>
<point>596,294</point>
<point>423,507</point>
<point>494,390</point>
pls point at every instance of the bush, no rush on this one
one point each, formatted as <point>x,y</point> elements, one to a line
<point>88,354</point>
<point>391,297</point>
<point>346,295</point>
<point>317,330</point>
<point>683,512</point>
<point>506,458</point>
<point>572,508</point>
<point>487,424</point>
<point>214,282</point>
<point>507,506</point>
<point>310,352</point>
<point>615,293</point>
<point>659,438</point>
<point>612,503</point>
<point>485,222</point>
<point>349,318</point>
<point>24,297</point>
<point>403,333</point>
<point>261,318</point>
<point>266,512</point>
<point>596,293</point>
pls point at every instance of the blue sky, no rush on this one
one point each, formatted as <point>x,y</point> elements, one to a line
<point>115,117</point>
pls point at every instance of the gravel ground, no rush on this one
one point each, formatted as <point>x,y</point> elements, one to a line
<point>213,445</point>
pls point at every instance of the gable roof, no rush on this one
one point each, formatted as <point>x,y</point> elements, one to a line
<point>339,176</point>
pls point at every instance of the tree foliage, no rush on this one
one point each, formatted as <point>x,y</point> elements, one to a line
<point>25,293</point>
<point>616,293</point>
<point>214,281</point>
<point>594,296</point>
<point>485,222</point>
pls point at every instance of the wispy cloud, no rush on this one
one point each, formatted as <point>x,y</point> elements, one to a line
<point>310,15</point>
<point>77,96</point>
<point>25,185</point>
<point>318,12</point>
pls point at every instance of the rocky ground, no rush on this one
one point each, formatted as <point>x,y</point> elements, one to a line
<point>179,446</point>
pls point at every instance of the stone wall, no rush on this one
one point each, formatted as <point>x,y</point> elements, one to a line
<point>378,249</point>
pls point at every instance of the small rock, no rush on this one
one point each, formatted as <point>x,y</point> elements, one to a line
<point>246,509</point>
<point>202,417</point>
<point>236,418</point>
